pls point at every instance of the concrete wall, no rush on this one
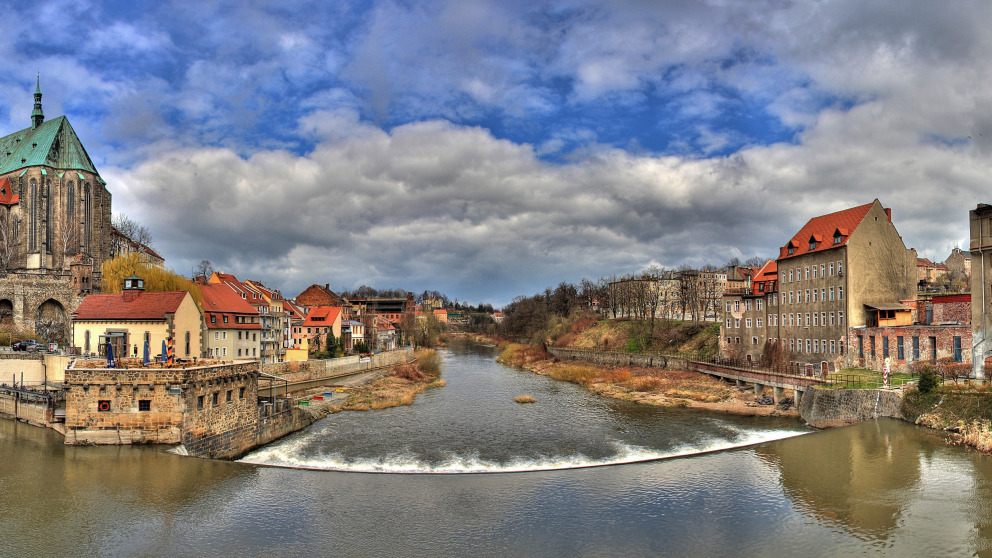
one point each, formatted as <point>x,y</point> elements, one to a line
<point>36,367</point>
<point>828,408</point>
<point>296,371</point>
<point>37,413</point>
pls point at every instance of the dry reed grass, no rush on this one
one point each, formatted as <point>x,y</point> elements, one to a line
<point>525,399</point>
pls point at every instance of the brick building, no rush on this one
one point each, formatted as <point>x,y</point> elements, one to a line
<point>750,316</point>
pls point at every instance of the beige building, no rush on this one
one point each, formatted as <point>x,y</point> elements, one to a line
<point>233,328</point>
<point>980,224</point>
<point>834,274</point>
<point>750,315</point>
<point>129,319</point>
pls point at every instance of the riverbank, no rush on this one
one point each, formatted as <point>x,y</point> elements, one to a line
<point>646,386</point>
<point>382,389</point>
<point>962,411</point>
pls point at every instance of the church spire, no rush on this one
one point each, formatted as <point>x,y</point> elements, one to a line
<point>37,115</point>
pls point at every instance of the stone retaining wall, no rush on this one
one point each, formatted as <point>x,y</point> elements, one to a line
<point>827,408</point>
<point>301,371</point>
<point>620,359</point>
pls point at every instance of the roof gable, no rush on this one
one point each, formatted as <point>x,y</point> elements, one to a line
<point>52,144</point>
<point>821,233</point>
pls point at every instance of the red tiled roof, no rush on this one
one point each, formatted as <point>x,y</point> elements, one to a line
<point>322,316</point>
<point>146,307</point>
<point>220,300</point>
<point>823,228</point>
<point>7,195</point>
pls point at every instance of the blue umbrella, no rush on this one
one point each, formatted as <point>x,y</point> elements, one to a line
<point>110,355</point>
<point>164,356</point>
<point>145,360</point>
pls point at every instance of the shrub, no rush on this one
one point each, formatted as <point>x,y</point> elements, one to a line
<point>929,380</point>
<point>525,399</point>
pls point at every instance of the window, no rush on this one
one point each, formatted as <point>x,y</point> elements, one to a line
<point>833,346</point>
<point>213,319</point>
<point>747,323</point>
<point>791,319</point>
<point>254,337</point>
<point>790,276</point>
<point>230,394</point>
<point>823,319</point>
<point>957,348</point>
<point>831,293</point>
<point>831,268</point>
<point>729,340</point>
<point>815,321</point>
<point>216,335</point>
<point>757,322</point>
<point>840,318</point>
<point>225,351</point>
<point>758,304</point>
<point>861,347</point>
<point>840,269</point>
<point>747,305</point>
<point>807,319</point>
<point>737,307</point>
<point>790,297</point>
<point>737,323</point>
<point>792,344</point>
<point>806,276</point>
<point>225,318</point>
<point>900,350</point>
<point>837,238</point>
<point>840,293</point>
<point>239,352</point>
<point>144,405</point>
<point>187,343</point>
<point>871,346</point>
<point>832,318</point>
<point>821,271</point>
<point>885,347</point>
<point>807,295</point>
<point>840,347</point>
<point>728,323</point>
<point>728,306</point>
<point>216,398</point>
<point>224,335</point>
<point>916,348</point>
<point>814,295</point>
<point>239,336</point>
<point>823,294</point>
<point>816,342</point>
<point>807,346</point>
<point>241,393</point>
<point>814,272</point>
<point>791,250</point>
<point>933,349</point>
<point>812,245</point>
<point>86,346</point>
<point>737,340</point>
<point>754,340</point>
<point>199,402</point>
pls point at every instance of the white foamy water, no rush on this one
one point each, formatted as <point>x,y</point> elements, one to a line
<point>287,454</point>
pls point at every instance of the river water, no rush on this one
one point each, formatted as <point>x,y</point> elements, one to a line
<point>572,474</point>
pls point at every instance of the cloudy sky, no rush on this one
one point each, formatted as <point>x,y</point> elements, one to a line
<point>491,149</point>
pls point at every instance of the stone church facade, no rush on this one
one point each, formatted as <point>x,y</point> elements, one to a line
<point>55,225</point>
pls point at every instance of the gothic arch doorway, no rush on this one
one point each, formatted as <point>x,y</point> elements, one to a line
<point>51,322</point>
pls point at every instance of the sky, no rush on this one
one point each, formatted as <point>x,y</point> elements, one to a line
<point>492,149</point>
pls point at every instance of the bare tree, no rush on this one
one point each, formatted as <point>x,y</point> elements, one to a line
<point>204,269</point>
<point>129,230</point>
<point>67,238</point>
<point>9,246</point>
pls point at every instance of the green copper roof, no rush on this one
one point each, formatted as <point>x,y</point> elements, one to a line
<point>52,144</point>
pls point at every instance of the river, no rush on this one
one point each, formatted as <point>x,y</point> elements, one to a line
<point>570,475</point>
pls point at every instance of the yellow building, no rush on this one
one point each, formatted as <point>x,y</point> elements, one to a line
<point>129,319</point>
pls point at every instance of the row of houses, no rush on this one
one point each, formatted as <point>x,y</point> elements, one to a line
<point>238,320</point>
<point>843,292</point>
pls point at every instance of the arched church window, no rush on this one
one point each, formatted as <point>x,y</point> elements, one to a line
<point>48,215</point>
<point>33,223</point>
<point>87,217</point>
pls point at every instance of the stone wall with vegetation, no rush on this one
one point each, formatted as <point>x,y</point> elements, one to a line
<point>619,359</point>
<point>299,371</point>
<point>828,408</point>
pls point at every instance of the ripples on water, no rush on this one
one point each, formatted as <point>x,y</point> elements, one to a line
<point>472,425</point>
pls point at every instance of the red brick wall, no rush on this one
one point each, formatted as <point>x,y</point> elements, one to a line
<point>945,345</point>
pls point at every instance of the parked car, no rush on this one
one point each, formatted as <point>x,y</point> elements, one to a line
<point>31,345</point>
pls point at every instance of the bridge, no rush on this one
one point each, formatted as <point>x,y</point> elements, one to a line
<point>743,375</point>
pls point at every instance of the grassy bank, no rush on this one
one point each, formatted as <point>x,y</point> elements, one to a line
<point>963,411</point>
<point>398,388</point>
<point>584,330</point>
<point>650,386</point>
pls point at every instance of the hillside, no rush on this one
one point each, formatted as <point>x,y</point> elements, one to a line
<point>669,336</point>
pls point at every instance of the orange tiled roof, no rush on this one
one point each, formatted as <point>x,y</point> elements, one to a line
<point>7,195</point>
<point>822,229</point>
<point>146,307</point>
<point>322,316</point>
<point>220,300</point>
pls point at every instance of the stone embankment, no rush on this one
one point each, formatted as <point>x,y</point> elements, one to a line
<point>611,358</point>
<point>828,408</point>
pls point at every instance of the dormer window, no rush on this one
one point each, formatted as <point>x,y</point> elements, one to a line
<point>812,245</point>
<point>790,249</point>
<point>837,238</point>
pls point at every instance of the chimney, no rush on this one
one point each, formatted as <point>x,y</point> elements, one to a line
<point>888,213</point>
<point>133,286</point>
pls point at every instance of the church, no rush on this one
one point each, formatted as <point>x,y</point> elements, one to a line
<point>55,225</point>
